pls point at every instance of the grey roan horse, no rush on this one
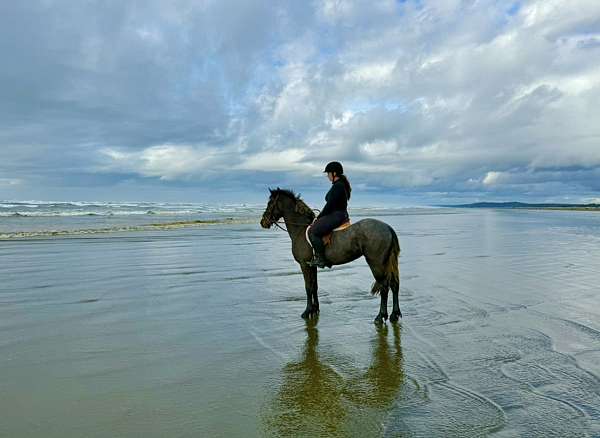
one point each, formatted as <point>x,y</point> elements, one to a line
<point>374,239</point>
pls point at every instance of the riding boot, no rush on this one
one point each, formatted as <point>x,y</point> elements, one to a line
<point>319,259</point>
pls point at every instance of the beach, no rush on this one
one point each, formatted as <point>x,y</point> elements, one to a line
<point>188,331</point>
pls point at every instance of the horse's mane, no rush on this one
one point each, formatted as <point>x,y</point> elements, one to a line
<point>301,206</point>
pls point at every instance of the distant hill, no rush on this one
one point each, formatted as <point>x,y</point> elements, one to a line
<point>524,205</point>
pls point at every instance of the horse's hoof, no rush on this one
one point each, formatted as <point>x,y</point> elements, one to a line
<point>310,313</point>
<point>380,319</point>
<point>394,316</point>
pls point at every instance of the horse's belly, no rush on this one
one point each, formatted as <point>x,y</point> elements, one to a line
<point>340,255</point>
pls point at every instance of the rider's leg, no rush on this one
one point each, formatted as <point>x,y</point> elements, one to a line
<point>319,248</point>
<point>317,230</point>
<point>320,228</point>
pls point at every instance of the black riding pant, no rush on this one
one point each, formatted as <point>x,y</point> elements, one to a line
<point>326,224</point>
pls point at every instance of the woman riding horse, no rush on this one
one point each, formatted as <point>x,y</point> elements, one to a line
<point>334,214</point>
<point>368,237</point>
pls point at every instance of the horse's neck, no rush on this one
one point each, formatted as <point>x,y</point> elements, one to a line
<point>293,223</point>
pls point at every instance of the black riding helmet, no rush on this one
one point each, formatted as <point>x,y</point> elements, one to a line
<point>334,166</point>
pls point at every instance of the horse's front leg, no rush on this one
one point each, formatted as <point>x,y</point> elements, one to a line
<point>310,284</point>
<point>315,288</point>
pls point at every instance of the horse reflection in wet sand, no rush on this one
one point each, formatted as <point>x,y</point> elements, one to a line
<point>372,238</point>
<point>323,395</point>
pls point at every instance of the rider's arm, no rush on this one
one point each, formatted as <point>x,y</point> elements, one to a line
<point>336,195</point>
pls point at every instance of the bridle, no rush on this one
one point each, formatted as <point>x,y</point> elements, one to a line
<point>269,211</point>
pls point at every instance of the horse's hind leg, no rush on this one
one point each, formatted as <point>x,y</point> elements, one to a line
<point>396,313</point>
<point>383,315</point>
<point>381,287</point>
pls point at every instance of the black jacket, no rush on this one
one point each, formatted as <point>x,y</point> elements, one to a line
<point>337,199</point>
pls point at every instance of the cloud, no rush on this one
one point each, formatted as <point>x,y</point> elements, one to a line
<point>288,160</point>
<point>427,97</point>
<point>492,178</point>
<point>168,162</point>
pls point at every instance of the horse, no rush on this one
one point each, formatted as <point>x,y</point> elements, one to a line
<point>371,238</point>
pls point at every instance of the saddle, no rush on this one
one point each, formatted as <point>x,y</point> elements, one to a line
<point>327,237</point>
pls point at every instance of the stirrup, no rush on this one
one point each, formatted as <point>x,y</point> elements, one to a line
<point>319,262</point>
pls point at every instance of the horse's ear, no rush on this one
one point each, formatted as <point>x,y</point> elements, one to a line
<point>271,190</point>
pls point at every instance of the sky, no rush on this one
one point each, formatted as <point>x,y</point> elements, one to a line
<point>423,102</point>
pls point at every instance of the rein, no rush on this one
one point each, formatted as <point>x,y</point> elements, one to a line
<point>279,226</point>
<point>293,223</point>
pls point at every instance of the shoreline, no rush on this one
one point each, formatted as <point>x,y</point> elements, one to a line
<point>128,228</point>
<point>165,226</point>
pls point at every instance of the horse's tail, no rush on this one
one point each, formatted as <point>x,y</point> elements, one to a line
<point>392,272</point>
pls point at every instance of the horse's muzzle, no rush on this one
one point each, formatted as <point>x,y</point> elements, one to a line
<point>265,223</point>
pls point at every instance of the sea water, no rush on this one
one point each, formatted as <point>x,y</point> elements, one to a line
<point>196,331</point>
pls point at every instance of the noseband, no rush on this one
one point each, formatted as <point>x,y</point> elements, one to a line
<point>269,211</point>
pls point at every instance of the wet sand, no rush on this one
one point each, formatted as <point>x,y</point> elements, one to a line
<point>197,332</point>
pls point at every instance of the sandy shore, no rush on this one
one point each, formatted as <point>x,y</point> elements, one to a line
<point>167,225</point>
<point>196,332</point>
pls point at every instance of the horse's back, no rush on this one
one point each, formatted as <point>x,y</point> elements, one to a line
<point>371,226</point>
<point>364,236</point>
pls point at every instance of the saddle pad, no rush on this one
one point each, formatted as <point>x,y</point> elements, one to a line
<point>343,226</point>
<point>328,236</point>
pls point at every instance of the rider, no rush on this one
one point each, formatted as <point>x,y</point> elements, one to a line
<point>333,214</point>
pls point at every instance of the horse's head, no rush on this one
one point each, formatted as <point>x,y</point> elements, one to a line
<point>282,201</point>
<point>273,212</point>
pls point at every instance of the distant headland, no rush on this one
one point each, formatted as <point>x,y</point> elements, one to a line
<point>524,205</point>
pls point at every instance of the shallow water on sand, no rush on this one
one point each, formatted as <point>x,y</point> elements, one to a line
<point>196,332</point>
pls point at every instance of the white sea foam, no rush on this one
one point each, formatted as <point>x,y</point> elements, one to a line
<point>81,208</point>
